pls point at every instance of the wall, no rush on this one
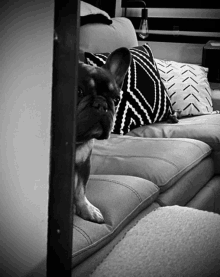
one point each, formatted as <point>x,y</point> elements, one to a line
<point>181,52</point>
<point>25,105</point>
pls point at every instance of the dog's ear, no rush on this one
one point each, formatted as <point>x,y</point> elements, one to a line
<point>118,63</point>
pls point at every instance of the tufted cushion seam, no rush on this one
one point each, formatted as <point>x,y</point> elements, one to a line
<point>179,171</point>
<point>187,140</point>
<point>188,166</point>
<point>204,153</point>
<point>115,228</point>
<point>153,157</point>
<point>142,157</point>
<point>211,143</point>
<point>121,184</point>
<point>84,234</point>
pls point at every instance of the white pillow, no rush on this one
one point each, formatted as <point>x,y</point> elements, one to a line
<point>187,86</point>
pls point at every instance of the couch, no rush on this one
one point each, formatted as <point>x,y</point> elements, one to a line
<point>144,174</point>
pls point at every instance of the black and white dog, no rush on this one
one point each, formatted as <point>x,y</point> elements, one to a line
<point>99,93</point>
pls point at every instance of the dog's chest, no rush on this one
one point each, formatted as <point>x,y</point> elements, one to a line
<point>83,151</point>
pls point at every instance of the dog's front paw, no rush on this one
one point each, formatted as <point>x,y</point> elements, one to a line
<point>89,212</point>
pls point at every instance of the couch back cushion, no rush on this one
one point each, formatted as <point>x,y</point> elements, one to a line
<point>99,38</point>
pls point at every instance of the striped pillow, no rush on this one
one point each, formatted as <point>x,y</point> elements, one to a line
<point>187,86</point>
<point>144,99</point>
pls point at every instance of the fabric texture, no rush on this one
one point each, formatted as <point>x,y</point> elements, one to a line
<point>102,38</point>
<point>208,198</point>
<point>169,242</point>
<point>205,128</point>
<point>92,14</point>
<point>144,99</point>
<point>120,199</point>
<point>187,86</point>
<point>160,161</point>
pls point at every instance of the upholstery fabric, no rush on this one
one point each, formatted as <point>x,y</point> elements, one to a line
<point>91,14</point>
<point>95,38</point>
<point>88,265</point>
<point>215,100</point>
<point>185,250</point>
<point>144,99</point>
<point>120,199</point>
<point>171,241</point>
<point>205,128</point>
<point>208,198</point>
<point>187,86</point>
<point>187,187</point>
<point>162,161</point>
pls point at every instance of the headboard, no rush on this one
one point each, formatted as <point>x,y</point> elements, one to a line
<point>107,6</point>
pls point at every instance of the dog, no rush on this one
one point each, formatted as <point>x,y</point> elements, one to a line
<point>98,95</point>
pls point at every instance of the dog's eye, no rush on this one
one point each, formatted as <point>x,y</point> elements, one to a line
<point>80,92</point>
<point>116,101</point>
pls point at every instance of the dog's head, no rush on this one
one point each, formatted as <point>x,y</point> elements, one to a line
<point>99,94</point>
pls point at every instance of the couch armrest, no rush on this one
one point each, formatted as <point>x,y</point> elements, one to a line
<point>216,99</point>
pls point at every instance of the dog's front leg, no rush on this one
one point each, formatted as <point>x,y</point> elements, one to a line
<point>83,207</point>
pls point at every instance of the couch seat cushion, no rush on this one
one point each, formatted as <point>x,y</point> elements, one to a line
<point>187,187</point>
<point>162,161</point>
<point>171,241</point>
<point>205,128</point>
<point>120,199</point>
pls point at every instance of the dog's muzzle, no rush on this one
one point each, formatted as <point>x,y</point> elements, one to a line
<point>100,104</point>
<point>95,117</point>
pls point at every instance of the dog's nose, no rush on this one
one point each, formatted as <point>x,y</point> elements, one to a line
<point>100,105</point>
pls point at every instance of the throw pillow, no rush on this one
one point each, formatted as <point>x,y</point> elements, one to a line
<point>144,99</point>
<point>187,86</point>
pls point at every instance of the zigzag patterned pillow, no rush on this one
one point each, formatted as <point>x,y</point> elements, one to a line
<point>187,86</point>
<point>144,99</point>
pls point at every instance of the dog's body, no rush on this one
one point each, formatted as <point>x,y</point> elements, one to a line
<point>99,92</point>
